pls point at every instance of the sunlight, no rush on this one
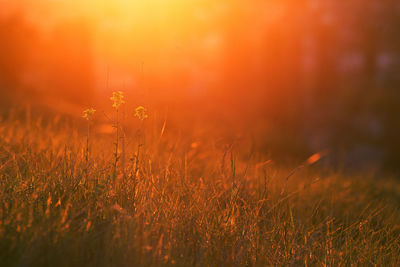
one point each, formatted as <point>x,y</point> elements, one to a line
<point>127,13</point>
<point>199,133</point>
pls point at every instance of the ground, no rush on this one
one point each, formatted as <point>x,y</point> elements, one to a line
<point>186,200</point>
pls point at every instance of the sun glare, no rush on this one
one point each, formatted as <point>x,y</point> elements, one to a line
<point>199,133</point>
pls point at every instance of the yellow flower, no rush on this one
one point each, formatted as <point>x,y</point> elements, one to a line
<point>88,114</point>
<point>141,113</point>
<point>117,99</point>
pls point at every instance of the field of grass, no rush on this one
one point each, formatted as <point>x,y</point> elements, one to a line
<point>182,199</point>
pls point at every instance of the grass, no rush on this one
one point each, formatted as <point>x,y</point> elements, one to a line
<point>188,201</point>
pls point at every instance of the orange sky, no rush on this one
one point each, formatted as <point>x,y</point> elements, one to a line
<point>168,49</point>
<point>152,36</point>
<point>131,38</point>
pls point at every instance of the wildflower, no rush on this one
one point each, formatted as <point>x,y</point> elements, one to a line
<point>141,113</point>
<point>88,114</point>
<point>118,99</point>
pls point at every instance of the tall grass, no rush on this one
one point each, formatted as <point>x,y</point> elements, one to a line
<point>187,202</point>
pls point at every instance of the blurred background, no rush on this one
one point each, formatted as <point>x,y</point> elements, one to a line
<point>299,76</point>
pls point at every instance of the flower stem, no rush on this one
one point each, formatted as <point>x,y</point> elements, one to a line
<point>116,145</point>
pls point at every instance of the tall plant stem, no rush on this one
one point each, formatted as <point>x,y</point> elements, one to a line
<point>87,143</point>
<point>116,145</point>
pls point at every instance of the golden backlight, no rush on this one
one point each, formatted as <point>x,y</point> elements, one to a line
<point>238,54</point>
<point>172,48</point>
<point>169,47</point>
<point>199,132</point>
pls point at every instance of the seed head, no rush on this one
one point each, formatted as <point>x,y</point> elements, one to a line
<point>141,113</point>
<point>117,99</point>
<point>88,114</point>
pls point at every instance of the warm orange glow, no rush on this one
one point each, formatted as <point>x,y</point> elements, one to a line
<point>170,49</point>
<point>199,132</point>
<point>314,158</point>
<point>272,67</point>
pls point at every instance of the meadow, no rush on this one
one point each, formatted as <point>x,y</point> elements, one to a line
<point>146,194</point>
